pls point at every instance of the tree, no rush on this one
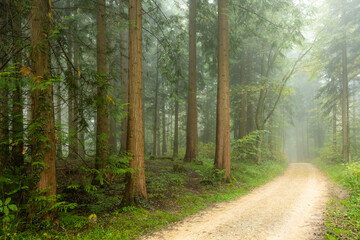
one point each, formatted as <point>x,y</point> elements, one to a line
<point>191,127</point>
<point>345,105</point>
<point>135,180</point>
<point>156,103</point>
<point>102,126</point>
<point>72,120</point>
<point>43,152</point>
<point>222,155</point>
<point>124,83</point>
<point>4,98</point>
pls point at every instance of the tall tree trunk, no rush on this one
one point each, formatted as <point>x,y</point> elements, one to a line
<point>18,102</point>
<point>191,127</point>
<point>113,95</point>
<point>176,124</point>
<point>124,83</point>
<point>135,181</point>
<point>242,122</point>
<point>345,105</point>
<point>112,122</point>
<point>222,155</point>
<point>73,145</point>
<point>259,117</point>
<point>156,103</point>
<point>59,154</point>
<point>249,95</point>
<point>102,126</point>
<point>43,133</point>
<point>78,100</point>
<point>4,127</point>
<point>4,111</point>
<point>164,148</point>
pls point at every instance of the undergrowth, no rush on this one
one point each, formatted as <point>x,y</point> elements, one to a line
<point>173,195</point>
<point>343,214</point>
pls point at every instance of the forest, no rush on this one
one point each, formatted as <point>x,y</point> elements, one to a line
<point>121,117</point>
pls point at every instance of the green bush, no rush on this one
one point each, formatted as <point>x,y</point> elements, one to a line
<point>353,177</point>
<point>246,148</point>
<point>330,154</point>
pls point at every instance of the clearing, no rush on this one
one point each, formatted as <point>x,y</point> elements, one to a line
<point>289,207</point>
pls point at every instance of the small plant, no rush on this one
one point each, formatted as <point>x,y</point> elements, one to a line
<point>212,175</point>
<point>7,212</point>
<point>246,148</point>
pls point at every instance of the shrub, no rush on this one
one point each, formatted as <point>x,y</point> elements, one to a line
<point>246,148</point>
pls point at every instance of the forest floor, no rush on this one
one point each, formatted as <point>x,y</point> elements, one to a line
<point>289,207</point>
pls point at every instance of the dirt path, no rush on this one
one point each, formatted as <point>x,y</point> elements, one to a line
<point>289,207</point>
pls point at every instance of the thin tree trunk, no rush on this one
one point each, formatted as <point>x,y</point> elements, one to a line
<point>4,112</point>
<point>135,181</point>
<point>164,148</point>
<point>124,84</point>
<point>345,105</point>
<point>43,133</point>
<point>259,117</point>
<point>18,102</point>
<point>156,111</point>
<point>59,154</point>
<point>102,126</point>
<point>4,128</point>
<point>176,124</point>
<point>249,97</point>
<point>71,95</point>
<point>334,110</point>
<point>78,101</point>
<point>191,129</point>
<point>112,93</point>
<point>242,122</point>
<point>222,155</point>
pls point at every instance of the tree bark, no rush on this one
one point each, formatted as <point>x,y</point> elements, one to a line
<point>18,102</point>
<point>124,84</point>
<point>164,148</point>
<point>113,95</point>
<point>259,117</point>
<point>191,127</point>
<point>156,103</point>
<point>242,122</point>
<point>43,133</point>
<point>345,105</point>
<point>334,132</point>
<point>73,139</point>
<point>135,181</point>
<point>78,100</point>
<point>222,154</point>
<point>58,121</point>
<point>4,111</point>
<point>102,126</point>
<point>249,97</point>
<point>176,124</point>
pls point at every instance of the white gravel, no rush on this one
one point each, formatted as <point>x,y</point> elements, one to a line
<point>289,207</point>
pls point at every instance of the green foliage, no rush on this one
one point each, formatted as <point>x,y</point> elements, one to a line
<point>73,221</point>
<point>246,148</point>
<point>331,155</point>
<point>7,216</point>
<point>212,176</point>
<point>343,214</point>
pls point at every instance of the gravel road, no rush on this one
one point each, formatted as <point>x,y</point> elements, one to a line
<point>289,207</point>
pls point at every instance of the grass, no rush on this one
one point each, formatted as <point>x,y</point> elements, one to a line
<point>343,212</point>
<point>173,195</point>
